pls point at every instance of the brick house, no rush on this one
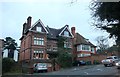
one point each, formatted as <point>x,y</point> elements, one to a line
<point>82,47</point>
<point>38,41</point>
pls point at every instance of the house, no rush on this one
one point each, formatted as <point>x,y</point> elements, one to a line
<point>8,54</point>
<point>82,46</point>
<point>38,42</point>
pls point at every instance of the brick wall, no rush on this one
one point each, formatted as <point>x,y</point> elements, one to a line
<point>93,57</point>
<point>25,47</point>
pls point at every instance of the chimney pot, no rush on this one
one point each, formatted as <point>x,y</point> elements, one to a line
<point>73,31</point>
<point>29,22</point>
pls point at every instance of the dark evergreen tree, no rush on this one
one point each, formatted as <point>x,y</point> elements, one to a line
<point>10,45</point>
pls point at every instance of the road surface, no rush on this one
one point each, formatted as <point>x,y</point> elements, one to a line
<point>86,70</point>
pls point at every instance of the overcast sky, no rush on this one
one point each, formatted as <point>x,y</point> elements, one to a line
<point>54,13</point>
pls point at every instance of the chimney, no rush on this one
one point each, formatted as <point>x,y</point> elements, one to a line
<point>29,22</point>
<point>73,31</point>
<point>24,28</point>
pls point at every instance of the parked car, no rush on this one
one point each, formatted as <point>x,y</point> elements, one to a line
<point>40,67</point>
<point>118,64</point>
<point>110,61</point>
<point>81,62</point>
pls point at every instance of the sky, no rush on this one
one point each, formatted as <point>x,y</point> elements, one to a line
<point>54,13</point>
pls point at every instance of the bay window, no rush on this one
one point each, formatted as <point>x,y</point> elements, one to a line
<point>86,47</point>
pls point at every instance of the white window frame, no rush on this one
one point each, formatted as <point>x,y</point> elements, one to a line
<point>78,47</point>
<point>85,48</point>
<point>38,41</point>
<point>92,49</point>
<point>66,33</point>
<point>39,29</point>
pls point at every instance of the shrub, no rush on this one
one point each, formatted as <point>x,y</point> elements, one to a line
<point>88,63</point>
<point>7,64</point>
<point>96,62</point>
<point>65,59</point>
<point>75,63</point>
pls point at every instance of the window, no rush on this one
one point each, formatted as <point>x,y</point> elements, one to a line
<point>83,55</point>
<point>67,44</point>
<point>92,49</point>
<point>78,47</point>
<point>39,29</point>
<point>66,33</point>
<point>54,48</point>
<point>38,54</point>
<point>49,48</point>
<point>38,41</point>
<point>86,47</point>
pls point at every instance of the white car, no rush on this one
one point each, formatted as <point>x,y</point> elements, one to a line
<point>40,67</point>
<point>110,61</point>
<point>118,64</point>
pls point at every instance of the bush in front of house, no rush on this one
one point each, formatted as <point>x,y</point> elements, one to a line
<point>88,63</point>
<point>7,64</point>
<point>64,59</point>
<point>96,62</point>
<point>75,63</point>
<point>10,66</point>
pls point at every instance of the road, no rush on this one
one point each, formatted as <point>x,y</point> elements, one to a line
<point>86,70</point>
<point>81,71</point>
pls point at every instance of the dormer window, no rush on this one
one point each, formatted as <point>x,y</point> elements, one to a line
<point>39,29</point>
<point>66,33</point>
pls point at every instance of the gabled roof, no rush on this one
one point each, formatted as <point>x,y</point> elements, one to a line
<point>51,32</point>
<point>39,21</point>
<point>81,40</point>
<point>62,30</point>
<point>54,33</point>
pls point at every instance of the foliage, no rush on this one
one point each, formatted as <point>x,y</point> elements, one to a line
<point>7,64</point>
<point>10,45</point>
<point>96,62</point>
<point>106,16</point>
<point>64,59</point>
<point>60,43</point>
<point>113,48</point>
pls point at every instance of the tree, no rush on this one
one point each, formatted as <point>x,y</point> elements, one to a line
<point>10,45</point>
<point>106,16</point>
<point>64,58</point>
<point>102,43</point>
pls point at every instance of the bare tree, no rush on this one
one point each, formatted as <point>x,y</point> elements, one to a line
<point>102,43</point>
